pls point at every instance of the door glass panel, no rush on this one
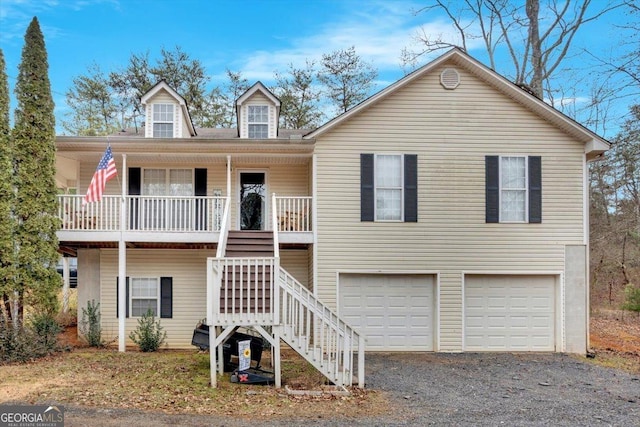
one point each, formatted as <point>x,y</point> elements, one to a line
<point>252,201</point>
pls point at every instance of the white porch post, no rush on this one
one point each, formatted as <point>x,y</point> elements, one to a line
<point>65,284</point>
<point>229,177</point>
<point>122,262</point>
<point>314,220</point>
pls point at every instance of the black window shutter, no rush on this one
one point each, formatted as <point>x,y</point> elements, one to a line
<point>410,188</point>
<point>492,189</point>
<point>126,308</point>
<point>135,187</point>
<point>367,201</point>
<point>166,297</point>
<point>200,189</point>
<point>535,189</point>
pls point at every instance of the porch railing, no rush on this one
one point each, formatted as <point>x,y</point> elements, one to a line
<point>293,213</point>
<point>243,291</point>
<point>144,213</point>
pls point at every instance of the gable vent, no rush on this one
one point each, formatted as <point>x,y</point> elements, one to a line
<point>449,79</point>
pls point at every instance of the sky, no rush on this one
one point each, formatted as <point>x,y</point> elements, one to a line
<point>251,36</point>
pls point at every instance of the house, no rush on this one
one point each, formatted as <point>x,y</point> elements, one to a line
<point>448,212</point>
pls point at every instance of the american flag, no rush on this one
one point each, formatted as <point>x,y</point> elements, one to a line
<point>105,171</point>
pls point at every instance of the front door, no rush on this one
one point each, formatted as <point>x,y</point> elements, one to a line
<point>252,200</point>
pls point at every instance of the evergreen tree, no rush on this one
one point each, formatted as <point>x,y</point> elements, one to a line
<point>347,78</point>
<point>6,190</point>
<point>299,97</point>
<point>36,205</point>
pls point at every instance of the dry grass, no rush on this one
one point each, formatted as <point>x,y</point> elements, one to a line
<point>171,382</point>
<point>615,339</point>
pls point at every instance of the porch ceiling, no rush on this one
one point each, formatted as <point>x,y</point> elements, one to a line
<point>71,248</point>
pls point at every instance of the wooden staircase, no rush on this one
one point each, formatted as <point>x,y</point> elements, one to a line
<point>249,244</point>
<point>247,286</point>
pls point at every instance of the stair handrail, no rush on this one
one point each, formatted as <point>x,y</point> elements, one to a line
<point>224,228</point>
<point>274,226</point>
<point>348,336</point>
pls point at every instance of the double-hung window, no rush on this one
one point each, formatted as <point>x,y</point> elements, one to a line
<point>146,293</point>
<point>168,213</point>
<point>258,121</point>
<point>513,189</point>
<point>145,296</point>
<point>389,187</point>
<point>162,120</point>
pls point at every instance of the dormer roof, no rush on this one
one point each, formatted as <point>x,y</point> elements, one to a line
<point>164,86</point>
<point>258,86</point>
<point>251,96</point>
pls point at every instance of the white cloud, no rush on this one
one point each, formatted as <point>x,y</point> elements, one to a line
<point>378,30</point>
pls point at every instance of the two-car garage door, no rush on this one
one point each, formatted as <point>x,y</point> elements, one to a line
<point>395,312</point>
<point>509,313</point>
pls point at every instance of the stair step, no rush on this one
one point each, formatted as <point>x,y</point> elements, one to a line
<point>248,254</point>
<point>236,241</point>
<point>254,248</point>
<point>254,234</point>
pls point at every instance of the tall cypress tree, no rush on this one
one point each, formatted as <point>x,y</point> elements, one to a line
<point>37,281</point>
<point>6,190</point>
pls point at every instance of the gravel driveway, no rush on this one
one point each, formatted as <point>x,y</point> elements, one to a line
<point>457,389</point>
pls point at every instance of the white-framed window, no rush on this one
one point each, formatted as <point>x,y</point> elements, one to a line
<point>163,120</point>
<point>144,296</point>
<point>258,121</point>
<point>167,182</point>
<point>176,213</point>
<point>513,189</point>
<point>389,184</point>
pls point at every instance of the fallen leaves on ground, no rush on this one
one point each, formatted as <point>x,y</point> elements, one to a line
<point>615,338</point>
<point>171,382</point>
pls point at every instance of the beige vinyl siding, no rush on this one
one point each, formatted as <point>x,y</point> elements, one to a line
<point>451,132</point>
<point>188,269</point>
<point>296,262</point>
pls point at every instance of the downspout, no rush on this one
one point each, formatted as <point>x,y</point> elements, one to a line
<point>585,213</point>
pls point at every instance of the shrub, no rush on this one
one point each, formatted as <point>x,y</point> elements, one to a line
<point>632,298</point>
<point>90,327</point>
<point>148,335</point>
<point>36,339</point>
<point>47,329</point>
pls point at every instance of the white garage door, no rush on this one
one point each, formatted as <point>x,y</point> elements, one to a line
<point>509,313</point>
<point>394,312</point>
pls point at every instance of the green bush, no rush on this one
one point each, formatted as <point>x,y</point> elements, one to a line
<point>148,335</point>
<point>90,327</point>
<point>36,339</point>
<point>46,328</point>
<point>632,298</point>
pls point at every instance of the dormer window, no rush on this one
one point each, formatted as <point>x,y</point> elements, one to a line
<point>258,121</point>
<point>163,120</point>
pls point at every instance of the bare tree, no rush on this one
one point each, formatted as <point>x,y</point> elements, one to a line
<point>536,36</point>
